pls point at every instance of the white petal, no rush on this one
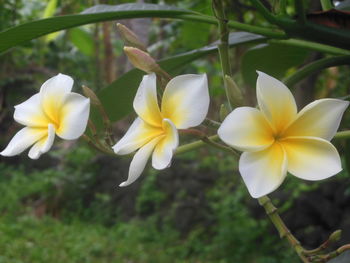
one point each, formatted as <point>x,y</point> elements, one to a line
<point>43,145</point>
<point>320,118</point>
<point>246,129</point>
<point>139,161</point>
<point>57,85</point>
<point>186,100</point>
<point>164,150</point>
<point>137,136</point>
<point>311,158</point>
<point>276,101</point>
<point>146,103</point>
<point>52,94</point>
<point>263,171</point>
<point>29,113</point>
<point>127,144</point>
<point>74,115</point>
<point>22,140</point>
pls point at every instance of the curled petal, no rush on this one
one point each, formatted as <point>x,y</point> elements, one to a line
<point>139,134</point>
<point>276,101</point>
<point>29,113</point>
<point>23,139</point>
<point>186,100</point>
<point>320,118</point>
<point>43,145</point>
<point>263,171</point>
<point>139,161</point>
<point>60,83</point>
<point>165,148</point>
<point>73,116</point>
<point>52,94</point>
<point>146,103</point>
<point>246,129</point>
<point>311,158</point>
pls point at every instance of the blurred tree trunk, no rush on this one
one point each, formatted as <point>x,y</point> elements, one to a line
<point>109,60</point>
<point>97,55</point>
<point>109,63</point>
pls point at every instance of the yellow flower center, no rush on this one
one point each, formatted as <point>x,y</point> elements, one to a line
<point>278,136</point>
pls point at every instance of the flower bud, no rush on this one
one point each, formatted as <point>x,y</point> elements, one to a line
<point>130,38</point>
<point>91,95</point>
<point>335,236</point>
<point>141,60</point>
<point>234,93</point>
<point>224,111</point>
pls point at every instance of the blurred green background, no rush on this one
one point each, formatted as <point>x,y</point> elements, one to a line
<point>67,206</point>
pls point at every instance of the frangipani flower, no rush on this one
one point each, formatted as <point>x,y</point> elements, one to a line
<point>185,104</point>
<point>277,139</point>
<point>54,110</point>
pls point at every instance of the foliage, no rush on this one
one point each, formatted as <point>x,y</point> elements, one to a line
<point>58,210</point>
<point>83,232</point>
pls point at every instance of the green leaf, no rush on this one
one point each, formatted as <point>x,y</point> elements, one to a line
<point>190,29</point>
<point>50,11</point>
<point>50,8</point>
<point>273,59</point>
<point>82,40</point>
<point>117,97</point>
<point>28,31</point>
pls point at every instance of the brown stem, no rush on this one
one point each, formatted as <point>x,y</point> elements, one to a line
<point>97,50</point>
<point>109,65</point>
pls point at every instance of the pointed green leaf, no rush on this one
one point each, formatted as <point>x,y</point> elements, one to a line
<point>50,11</point>
<point>117,97</point>
<point>273,59</point>
<point>50,8</point>
<point>28,31</point>
<point>82,40</point>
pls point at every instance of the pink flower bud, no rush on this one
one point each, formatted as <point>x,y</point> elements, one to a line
<point>130,37</point>
<point>141,60</point>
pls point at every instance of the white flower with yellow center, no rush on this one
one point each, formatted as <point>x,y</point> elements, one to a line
<point>277,139</point>
<point>54,110</point>
<point>184,104</point>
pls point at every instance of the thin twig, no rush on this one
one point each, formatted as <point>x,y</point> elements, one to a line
<point>209,141</point>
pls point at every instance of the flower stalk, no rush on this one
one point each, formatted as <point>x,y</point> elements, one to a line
<point>96,146</point>
<point>334,237</point>
<point>307,256</point>
<point>209,141</point>
<point>94,141</point>
<point>109,138</point>
<point>342,135</point>
<point>282,229</point>
<point>223,47</point>
<point>194,145</point>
